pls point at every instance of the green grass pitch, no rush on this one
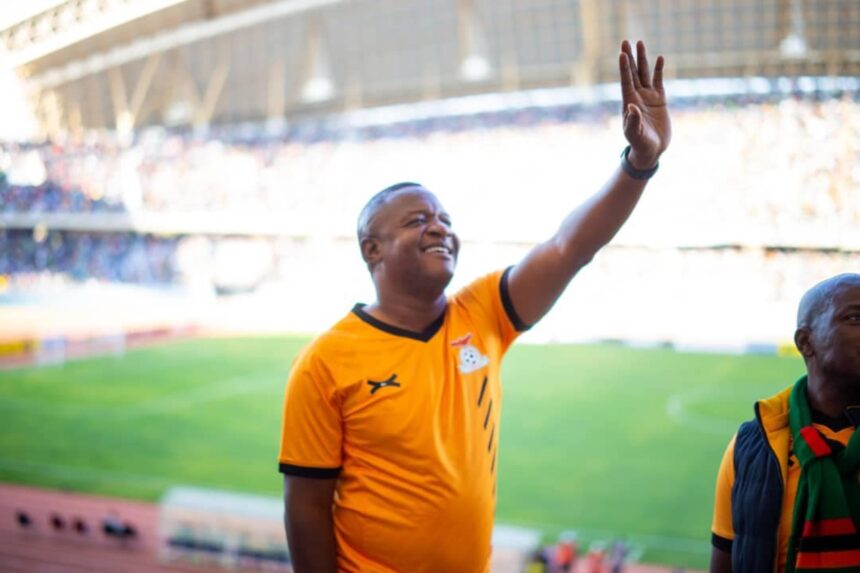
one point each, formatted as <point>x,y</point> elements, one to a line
<point>602,439</point>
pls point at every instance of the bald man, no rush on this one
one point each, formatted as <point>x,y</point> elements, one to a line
<point>788,497</point>
<point>391,418</point>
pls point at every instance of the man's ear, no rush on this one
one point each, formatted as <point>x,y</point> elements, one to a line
<point>370,250</point>
<point>803,342</point>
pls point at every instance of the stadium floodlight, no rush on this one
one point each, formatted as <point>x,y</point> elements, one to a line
<point>317,90</point>
<point>475,68</point>
<point>318,85</point>
<point>474,64</point>
<point>179,113</point>
<point>793,46</point>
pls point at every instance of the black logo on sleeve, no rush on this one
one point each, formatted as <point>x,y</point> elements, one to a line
<point>392,381</point>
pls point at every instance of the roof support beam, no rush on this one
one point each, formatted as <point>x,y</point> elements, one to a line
<point>178,37</point>
<point>127,113</point>
<point>215,86</point>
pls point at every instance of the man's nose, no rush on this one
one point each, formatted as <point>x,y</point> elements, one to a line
<point>439,228</point>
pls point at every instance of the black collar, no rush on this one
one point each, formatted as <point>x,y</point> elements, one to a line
<point>423,336</point>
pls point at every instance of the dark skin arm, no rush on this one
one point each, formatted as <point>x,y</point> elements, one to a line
<point>539,279</point>
<point>309,524</point>
<point>721,562</point>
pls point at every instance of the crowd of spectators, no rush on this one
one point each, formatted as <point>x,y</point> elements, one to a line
<point>752,188</point>
<point>26,186</point>
<point>566,556</point>
<point>113,257</point>
<point>49,197</point>
<point>770,172</point>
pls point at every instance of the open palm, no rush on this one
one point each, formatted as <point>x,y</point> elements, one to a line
<point>647,126</point>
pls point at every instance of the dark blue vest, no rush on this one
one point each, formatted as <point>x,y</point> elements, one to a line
<point>756,501</point>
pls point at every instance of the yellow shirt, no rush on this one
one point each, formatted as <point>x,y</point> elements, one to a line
<point>722,523</point>
<point>409,423</point>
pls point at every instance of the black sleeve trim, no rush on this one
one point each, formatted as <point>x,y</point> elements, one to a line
<point>509,306</point>
<point>721,543</point>
<point>306,472</point>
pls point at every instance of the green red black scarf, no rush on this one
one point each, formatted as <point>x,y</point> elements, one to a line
<point>824,532</point>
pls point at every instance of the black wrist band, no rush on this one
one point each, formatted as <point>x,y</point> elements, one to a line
<point>640,174</point>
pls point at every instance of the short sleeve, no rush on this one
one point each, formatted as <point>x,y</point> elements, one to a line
<point>488,297</point>
<point>311,430</point>
<point>722,523</point>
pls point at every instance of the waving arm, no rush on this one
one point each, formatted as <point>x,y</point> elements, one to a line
<point>537,281</point>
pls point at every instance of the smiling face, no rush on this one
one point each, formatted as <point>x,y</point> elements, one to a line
<point>408,242</point>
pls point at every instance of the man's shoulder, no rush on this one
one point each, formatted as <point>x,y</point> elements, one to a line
<point>773,411</point>
<point>771,415</point>
<point>481,288</point>
<point>487,298</point>
<point>750,429</point>
<point>765,431</point>
<point>337,339</point>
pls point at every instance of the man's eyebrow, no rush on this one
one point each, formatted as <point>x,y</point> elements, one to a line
<point>850,307</point>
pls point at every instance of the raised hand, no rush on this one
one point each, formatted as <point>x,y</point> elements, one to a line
<point>647,126</point>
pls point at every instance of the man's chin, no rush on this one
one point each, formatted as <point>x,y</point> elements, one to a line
<point>436,279</point>
<point>441,279</point>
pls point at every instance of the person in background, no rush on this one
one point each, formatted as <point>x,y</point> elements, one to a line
<point>787,494</point>
<point>566,552</point>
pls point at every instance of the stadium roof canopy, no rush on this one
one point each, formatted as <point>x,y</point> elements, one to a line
<point>124,64</point>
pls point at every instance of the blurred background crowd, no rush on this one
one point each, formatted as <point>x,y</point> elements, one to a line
<point>767,190</point>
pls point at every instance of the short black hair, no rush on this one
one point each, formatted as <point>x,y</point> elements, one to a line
<point>374,203</point>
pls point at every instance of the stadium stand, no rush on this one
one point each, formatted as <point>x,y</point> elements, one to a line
<point>115,257</point>
<point>187,63</point>
<point>291,201</point>
<point>301,176</point>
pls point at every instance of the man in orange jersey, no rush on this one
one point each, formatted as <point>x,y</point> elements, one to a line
<point>391,418</point>
<point>788,497</point>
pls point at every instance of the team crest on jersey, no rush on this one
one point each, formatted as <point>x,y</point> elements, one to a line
<point>471,358</point>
